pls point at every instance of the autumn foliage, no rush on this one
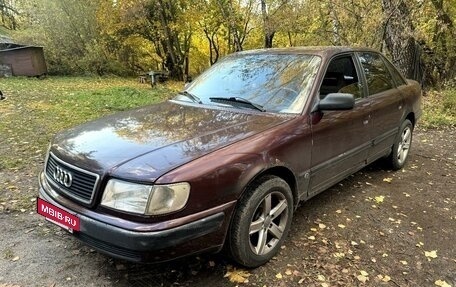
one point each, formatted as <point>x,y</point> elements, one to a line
<point>186,36</point>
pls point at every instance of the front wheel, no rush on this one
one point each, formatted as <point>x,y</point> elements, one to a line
<point>401,147</point>
<point>261,222</point>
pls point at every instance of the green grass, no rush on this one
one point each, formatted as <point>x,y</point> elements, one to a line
<point>37,109</point>
<point>439,109</point>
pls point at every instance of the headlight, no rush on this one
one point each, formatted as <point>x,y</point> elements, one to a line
<point>145,199</point>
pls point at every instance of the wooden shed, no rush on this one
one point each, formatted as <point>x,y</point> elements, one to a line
<point>24,60</point>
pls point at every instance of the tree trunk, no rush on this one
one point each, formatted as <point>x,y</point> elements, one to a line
<point>267,26</point>
<point>228,14</point>
<point>444,29</point>
<point>175,59</point>
<point>335,24</point>
<point>399,39</point>
<point>213,46</point>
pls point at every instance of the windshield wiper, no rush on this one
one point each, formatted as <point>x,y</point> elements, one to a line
<point>239,102</point>
<point>191,97</point>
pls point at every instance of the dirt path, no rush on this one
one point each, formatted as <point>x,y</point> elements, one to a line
<point>377,228</point>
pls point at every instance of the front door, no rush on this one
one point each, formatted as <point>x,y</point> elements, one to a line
<point>340,139</point>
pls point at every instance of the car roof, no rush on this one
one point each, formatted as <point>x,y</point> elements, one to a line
<point>323,51</point>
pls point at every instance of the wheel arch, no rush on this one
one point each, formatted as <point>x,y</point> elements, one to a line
<point>282,172</point>
<point>411,117</point>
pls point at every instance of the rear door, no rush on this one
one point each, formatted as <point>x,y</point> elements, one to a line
<point>340,139</point>
<point>386,102</point>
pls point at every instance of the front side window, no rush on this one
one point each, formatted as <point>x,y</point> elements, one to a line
<point>275,82</point>
<point>341,77</point>
<point>377,74</point>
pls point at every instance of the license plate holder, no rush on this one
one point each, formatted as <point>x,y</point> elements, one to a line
<point>58,216</point>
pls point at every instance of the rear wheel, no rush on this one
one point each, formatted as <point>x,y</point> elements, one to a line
<point>261,222</point>
<point>401,147</point>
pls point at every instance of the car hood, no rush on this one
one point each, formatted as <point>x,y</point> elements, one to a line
<point>145,143</point>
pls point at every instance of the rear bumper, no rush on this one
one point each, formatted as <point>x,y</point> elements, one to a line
<point>204,234</point>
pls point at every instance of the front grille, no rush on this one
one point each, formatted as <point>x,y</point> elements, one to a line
<point>83,183</point>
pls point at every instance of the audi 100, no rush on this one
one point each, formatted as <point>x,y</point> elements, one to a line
<point>227,160</point>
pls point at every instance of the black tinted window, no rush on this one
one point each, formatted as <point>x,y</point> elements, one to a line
<point>341,77</point>
<point>378,77</point>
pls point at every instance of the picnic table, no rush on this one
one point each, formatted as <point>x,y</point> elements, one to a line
<point>155,76</point>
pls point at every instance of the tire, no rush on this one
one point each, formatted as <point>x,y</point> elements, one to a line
<point>264,212</point>
<point>401,147</point>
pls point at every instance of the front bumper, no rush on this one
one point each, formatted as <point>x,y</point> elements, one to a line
<point>201,235</point>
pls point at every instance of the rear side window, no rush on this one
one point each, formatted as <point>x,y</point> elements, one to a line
<point>377,74</point>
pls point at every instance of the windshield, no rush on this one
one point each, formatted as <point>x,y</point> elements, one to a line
<point>275,82</point>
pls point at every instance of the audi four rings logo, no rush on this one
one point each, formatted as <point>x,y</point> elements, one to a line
<point>63,177</point>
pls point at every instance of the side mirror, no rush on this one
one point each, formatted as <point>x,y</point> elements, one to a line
<point>335,102</point>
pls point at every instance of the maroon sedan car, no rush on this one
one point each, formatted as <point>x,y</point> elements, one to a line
<point>226,162</point>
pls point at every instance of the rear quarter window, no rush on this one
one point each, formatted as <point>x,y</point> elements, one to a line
<point>397,77</point>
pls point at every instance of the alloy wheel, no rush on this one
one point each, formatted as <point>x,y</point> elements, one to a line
<point>268,223</point>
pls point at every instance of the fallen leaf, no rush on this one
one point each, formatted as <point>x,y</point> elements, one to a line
<point>386,278</point>
<point>442,283</point>
<point>321,278</point>
<point>237,275</point>
<point>322,226</point>
<point>288,272</point>
<point>379,199</point>
<point>364,273</point>
<point>431,254</point>
<point>339,211</point>
<point>362,278</point>
<point>388,179</point>
<point>279,276</point>
<point>15,258</point>
<point>404,262</point>
<point>118,266</point>
<point>339,255</point>
<point>341,226</point>
<point>311,237</point>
